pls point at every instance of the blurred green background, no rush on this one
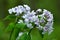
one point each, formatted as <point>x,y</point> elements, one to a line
<point>51,5</point>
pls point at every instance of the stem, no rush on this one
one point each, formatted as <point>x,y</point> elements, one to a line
<point>29,34</point>
<point>30,31</point>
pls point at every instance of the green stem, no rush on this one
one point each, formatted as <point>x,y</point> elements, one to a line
<point>30,31</point>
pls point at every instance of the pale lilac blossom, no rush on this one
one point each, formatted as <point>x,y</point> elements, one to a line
<point>48,15</point>
<point>29,26</point>
<point>31,17</point>
<point>27,7</point>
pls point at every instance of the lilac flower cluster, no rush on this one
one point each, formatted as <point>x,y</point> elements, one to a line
<point>34,18</point>
<point>19,9</point>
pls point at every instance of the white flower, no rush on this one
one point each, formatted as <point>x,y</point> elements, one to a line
<point>48,27</point>
<point>39,10</point>
<point>42,21</point>
<point>14,10</point>
<point>30,16</point>
<point>20,21</point>
<point>10,11</point>
<point>49,32</point>
<point>48,15</point>
<point>29,26</point>
<point>27,7</point>
<point>33,13</point>
<point>51,18</point>
<point>26,21</point>
<point>37,22</point>
<point>24,16</point>
<point>45,29</point>
<point>21,9</point>
<point>39,27</point>
<point>20,34</point>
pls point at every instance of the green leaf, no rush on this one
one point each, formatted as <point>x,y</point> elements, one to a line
<point>35,34</point>
<point>10,17</point>
<point>10,27</point>
<point>15,34</point>
<point>45,36</point>
<point>40,31</point>
<point>20,26</point>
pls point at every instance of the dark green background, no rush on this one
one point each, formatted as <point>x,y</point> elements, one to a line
<point>51,5</point>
